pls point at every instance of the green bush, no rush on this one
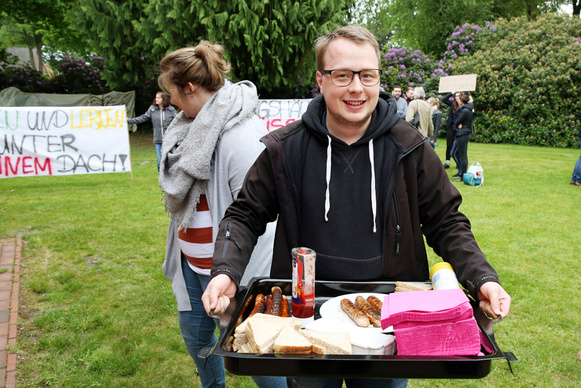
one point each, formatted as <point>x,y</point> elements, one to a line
<point>529,73</point>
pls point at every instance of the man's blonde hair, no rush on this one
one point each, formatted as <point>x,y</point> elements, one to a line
<point>354,33</point>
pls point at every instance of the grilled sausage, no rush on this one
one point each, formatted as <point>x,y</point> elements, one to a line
<point>276,303</point>
<point>354,313</point>
<point>268,308</point>
<point>375,302</point>
<point>259,305</point>
<point>244,309</point>
<point>285,307</point>
<point>372,314</point>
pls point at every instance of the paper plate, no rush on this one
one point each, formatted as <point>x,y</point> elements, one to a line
<point>332,309</point>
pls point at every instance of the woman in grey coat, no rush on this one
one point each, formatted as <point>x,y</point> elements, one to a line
<point>161,114</point>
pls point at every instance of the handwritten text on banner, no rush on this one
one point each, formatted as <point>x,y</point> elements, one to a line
<point>37,141</point>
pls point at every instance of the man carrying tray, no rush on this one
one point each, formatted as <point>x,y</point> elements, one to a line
<point>356,184</point>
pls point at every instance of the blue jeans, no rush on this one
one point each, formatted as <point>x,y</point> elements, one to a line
<point>318,382</point>
<point>198,330</point>
<point>158,153</point>
<point>577,172</point>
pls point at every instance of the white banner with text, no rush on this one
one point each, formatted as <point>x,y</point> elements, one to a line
<point>40,141</point>
<point>278,113</point>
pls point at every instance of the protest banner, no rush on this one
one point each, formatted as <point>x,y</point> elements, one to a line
<point>41,141</point>
<point>457,83</point>
<point>278,113</point>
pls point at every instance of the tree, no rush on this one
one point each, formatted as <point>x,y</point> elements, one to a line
<point>30,20</point>
<point>268,42</point>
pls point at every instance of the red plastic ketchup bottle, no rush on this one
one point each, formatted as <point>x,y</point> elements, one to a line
<point>303,298</point>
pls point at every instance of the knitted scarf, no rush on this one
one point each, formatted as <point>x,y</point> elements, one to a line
<point>189,144</point>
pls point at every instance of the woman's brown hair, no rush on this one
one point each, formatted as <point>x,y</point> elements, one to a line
<point>202,65</point>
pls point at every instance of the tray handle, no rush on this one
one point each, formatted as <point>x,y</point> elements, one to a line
<point>510,358</point>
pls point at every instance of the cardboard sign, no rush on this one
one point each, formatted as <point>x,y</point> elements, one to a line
<point>458,83</point>
<point>37,141</point>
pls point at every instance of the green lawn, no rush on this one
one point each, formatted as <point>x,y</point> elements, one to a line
<point>96,311</point>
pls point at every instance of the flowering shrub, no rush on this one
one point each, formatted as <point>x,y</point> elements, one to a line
<point>406,67</point>
<point>466,39</point>
<point>71,75</point>
<point>77,75</point>
<point>528,82</point>
<point>24,78</point>
<point>306,89</point>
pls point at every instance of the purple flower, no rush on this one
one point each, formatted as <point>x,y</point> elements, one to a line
<point>402,66</point>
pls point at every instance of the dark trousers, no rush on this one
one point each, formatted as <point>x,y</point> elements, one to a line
<point>450,136</point>
<point>462,153</point>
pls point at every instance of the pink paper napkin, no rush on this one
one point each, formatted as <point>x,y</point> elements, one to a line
<point>459,338</point>
<point>425,306</point>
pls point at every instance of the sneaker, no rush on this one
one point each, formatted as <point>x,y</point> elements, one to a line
<point>457,180</point>
<point>457,175</point>
<point>446,165</point>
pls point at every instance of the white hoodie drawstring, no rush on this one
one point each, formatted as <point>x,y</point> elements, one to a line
<point>373,195</point>
<point>328,177</point>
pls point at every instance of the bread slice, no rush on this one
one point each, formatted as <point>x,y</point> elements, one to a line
<point>274,319</point>
<point>261,335</point>
<point>412,286</point>
<point>290,341</point>
<point>331,342</point>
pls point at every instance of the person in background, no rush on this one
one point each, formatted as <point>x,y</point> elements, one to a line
<point>357,184</point>
<point>453,106</point>
<point>402,105</point>
<point>576,177</point>
<point>205,155</point>
<point>161,114</point>
<point>463,134</point>
<point>422,108</point>
<point>409,95</point>
<point>436,119</point>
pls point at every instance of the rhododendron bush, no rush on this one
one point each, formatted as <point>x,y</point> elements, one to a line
<point>529,81</point>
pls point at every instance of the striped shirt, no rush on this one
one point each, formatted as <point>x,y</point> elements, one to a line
<point>196,242</point>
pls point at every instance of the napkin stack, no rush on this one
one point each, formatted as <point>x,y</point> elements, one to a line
<point>432,323</point>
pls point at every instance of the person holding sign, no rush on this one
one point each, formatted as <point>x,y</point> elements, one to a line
<point>205,155</point>
<point>453,107</point>
<point>161,113</point>
<point>463,133</point>
<point>359,186</point>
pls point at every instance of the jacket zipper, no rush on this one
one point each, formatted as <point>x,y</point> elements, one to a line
<point>229,237</point>
<point>397,225</point>
<point>396,206</point>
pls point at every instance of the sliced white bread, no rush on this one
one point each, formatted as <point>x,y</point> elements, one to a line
<point>332,343</point>
<point>290,341</point>
<point>275,319</point>
<point>261,333</point>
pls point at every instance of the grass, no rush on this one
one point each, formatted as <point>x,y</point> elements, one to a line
<point>96,311</point>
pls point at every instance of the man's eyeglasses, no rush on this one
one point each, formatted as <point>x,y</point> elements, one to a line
<point>344,77</point>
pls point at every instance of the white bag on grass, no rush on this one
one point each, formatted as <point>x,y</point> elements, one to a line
<point>475,175</point>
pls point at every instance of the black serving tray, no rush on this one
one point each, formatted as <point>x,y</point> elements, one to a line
<point>347,366</point>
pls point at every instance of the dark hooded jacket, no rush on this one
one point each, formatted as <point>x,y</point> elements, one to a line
<point>364,208</point>
<point>465,117</point>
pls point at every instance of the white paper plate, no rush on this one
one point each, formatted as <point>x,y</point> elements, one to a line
<point>331,309</point>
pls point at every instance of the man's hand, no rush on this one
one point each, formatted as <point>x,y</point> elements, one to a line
<point>218,293</point>
<point>494,301</point>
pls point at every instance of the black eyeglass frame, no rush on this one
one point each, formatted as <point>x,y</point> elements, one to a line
<point>352,76</point>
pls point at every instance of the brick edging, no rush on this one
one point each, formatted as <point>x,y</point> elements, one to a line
<point>10,255</point>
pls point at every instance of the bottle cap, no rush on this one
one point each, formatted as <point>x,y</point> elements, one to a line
<point>439,266</point>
